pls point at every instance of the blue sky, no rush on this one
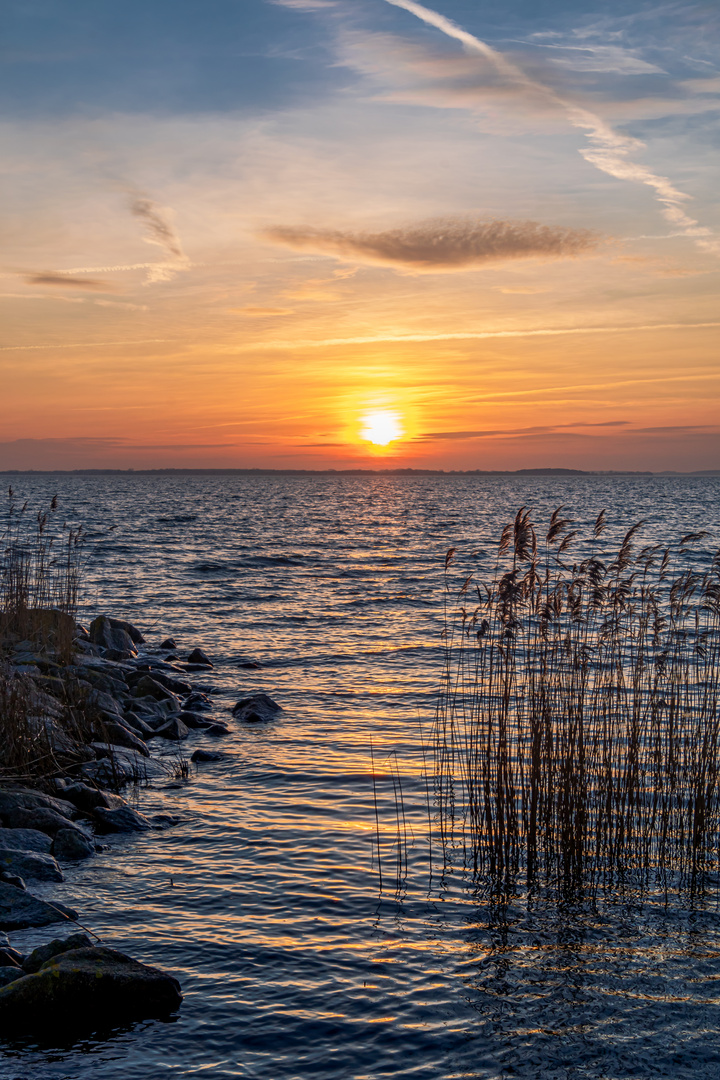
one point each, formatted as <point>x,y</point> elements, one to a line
<point>333,201</point>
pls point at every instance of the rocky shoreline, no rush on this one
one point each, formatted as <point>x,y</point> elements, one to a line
<point>85,707</point>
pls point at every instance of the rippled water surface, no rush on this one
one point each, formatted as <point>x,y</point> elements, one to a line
<point>264,901</point>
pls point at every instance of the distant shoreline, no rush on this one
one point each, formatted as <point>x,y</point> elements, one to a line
<point>352,472</point>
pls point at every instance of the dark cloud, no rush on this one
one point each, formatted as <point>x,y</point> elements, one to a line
<point>442,244</point>
<point>554,429</point>
<point>65,281</point>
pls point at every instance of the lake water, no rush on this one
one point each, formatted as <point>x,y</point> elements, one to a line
<point>265,900</point>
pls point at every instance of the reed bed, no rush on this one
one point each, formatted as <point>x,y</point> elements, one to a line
<point>577,737</point>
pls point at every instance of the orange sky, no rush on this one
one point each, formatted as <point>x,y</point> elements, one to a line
<point>248,286</point>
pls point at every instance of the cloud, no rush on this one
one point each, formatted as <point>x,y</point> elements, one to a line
<point>159,231</point>
<point>305,5</point>
<point>549,429</point>
<point>609,151</point>
<point>64,281</point>
<point>441,245</point>
<point>263,312</point>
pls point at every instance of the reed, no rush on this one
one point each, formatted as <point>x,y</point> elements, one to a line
<point>577,737</point>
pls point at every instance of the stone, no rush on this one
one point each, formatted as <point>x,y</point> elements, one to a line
<point>119,735</point>
<point>257,708</point>
<point>250,665</point>
<point>197,656</point>
<point>196,700</point>
<point>115,640</point>
<point>175,729</point>
<point>132,631</point>
<point>9,975</point>
<point>20,910</point>
<point>12,879</point>
<point>177,686</point>
<point>207,755</point>
<point>25,840</point>
<point>10,957</point>
<point>147,686</point>
<point>193,720</point>
<point>138,725</point>
<point>217,729</point>
<point>90,985</point>
<point>122,820</point>
<point>40,819</point>
<point>15,797</point>
<point>35,960</point>
<point>30,864</point>
<point>168,643</point>
<point>165,821</point>
<point>88,798</point>
<point>70,846</point>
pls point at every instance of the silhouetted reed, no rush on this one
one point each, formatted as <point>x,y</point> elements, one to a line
<point>577,734</point>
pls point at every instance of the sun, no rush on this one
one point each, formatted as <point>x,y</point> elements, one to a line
<point>381,427</point>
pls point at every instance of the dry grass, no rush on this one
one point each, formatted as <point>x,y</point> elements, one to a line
<point>577,737</point>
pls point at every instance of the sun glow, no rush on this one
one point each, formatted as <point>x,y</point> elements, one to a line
<point>381,427</point>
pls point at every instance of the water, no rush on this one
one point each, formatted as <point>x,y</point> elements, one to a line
<point>264,901</point>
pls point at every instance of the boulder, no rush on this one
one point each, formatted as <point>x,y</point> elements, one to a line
<point>138,725</point>
<point>30,864</point>
<point>197,656</point>
<point>174,729</point>
<point>9,974</point>
<point>250,665</point>
<point>217,729</point>
<point>207,755</point>
<point>25,840</point>
<point>168,643</point>
<point>122,820</point>
<point>196,700</point>
<point>132,631</point>
<point>14,797</point>
<point>193,720</point>
<point>35,960</point>
<point>20,910</point>
<point>10,957</point>
<point>148,686</point>
<point>115,640</point>
<point>176,685</point>
<point>89,985</point>
<point>118,735</point>
<point>257,708</point>
<point>12,879</point>
<point>88,798</point>
<point>70,846</point>
<point>40,819</point>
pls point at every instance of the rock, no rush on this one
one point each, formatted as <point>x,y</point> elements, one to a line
<point>122,820</point>
<point>194,720</point>
<point>20,910</point>
<point>176,685</point>
<point>41,819</point>
<point>257,708</point>
<point>13,879</point>
<point>132,631</point>
<point>35,960</point>
<point>87,798</point>
<point>116,641</point>
<point>207,755</point>
<point>175,729</point>
<point>217,729</point>
<point>197,656</point>
<point>89,985</point>
<point>168,643</point>
<point>196,700</point>
<point>14,797</point>
<point>165,821</point>
<point>70,846</point>
<point>10,957</point>
<point>119,735</point>
<point>30,864</point>
<point>147,686</point>
<point>9,974</point>
<point>138,725</point>
<point>25,840</point>
<point>81,632</point>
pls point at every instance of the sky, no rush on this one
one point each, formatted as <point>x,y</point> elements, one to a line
<point>360,234</point>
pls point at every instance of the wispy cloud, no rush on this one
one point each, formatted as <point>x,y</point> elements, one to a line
<point>305,5</point>
<point>609,150</point>
<point>441,245</point>
<point>159,231</point>
<point>65,281</point>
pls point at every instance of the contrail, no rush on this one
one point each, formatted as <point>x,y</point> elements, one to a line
<point>609,151</point>
<point>470,335</point>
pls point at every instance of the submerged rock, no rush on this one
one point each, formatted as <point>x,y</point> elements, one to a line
<point>207,755</point>
<point>257,708</point>
<point>30,864</point>
<point>86,986</point>
<point>217,729</point>
<point>20,910</point>
<point>168,643</point>
<point>197,656</point>
<point>193,719</point>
